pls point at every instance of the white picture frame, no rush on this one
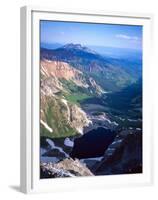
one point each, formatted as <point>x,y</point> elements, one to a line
<point>30,181</point>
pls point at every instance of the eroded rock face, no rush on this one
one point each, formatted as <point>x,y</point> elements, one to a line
<point>123,156</point>
<point>49,171</point>
<point>74,166</point>
<point>78,118</point>
<point>95,86</point>
<point>65,168</point>
<point>62,70</point>
<point>50,86</point>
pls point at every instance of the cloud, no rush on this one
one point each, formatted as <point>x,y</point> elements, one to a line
<point>62,33</point>
<point>126,37</point>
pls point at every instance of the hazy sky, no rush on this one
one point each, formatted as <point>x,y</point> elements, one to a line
<point>108,35</point>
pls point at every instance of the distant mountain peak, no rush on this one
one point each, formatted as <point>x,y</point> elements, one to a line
<point>72,46</point>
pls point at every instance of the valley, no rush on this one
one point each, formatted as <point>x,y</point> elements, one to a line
<point>91,114</point>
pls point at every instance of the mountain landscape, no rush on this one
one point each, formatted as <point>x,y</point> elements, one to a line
<point>90,113</point>
<point>94,65</point>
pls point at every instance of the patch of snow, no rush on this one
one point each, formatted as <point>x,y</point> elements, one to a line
<point>116,124</point>
<point>42,151</point>
<point>46,126</point>
<point>68,142</point>
<point>105,92</point>
<point>68,109</point>
<point>96,158</point>
<point>132,120</point>
<point>51,143</point>
<point>117,141</point>
<point>110,122</point>
<point>122,119</point>
<point>110,151</point>
<point>47,159</point>
<point>80,130</point>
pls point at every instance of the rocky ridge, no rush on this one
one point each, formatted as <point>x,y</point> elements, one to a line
<point>65,168</point>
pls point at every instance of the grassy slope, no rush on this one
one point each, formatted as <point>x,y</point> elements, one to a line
<point>56,119</point>
<point>75,93</point>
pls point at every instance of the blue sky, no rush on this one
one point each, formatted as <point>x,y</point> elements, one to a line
<point>108,35</point>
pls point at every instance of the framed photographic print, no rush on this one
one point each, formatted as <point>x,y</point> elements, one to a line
<point>86,99</point>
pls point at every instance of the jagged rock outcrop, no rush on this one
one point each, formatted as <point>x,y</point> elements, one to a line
<point>78,118</point>
<point>50,86</point>
<point>95,87</point>
<point>65,168</point>
<point>123,156</point>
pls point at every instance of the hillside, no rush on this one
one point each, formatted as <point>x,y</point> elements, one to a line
<point>62,87</point>
<point>92,64</point>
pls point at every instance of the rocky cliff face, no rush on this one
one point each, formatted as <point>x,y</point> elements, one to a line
<point>78,118</point>
<point>123,156</point>
<point>62,70</point>
<point>95,87</point>
<point>65,168</point>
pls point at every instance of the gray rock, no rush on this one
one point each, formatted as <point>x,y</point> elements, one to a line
<point>123,156</point>
<point>65,168</point>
